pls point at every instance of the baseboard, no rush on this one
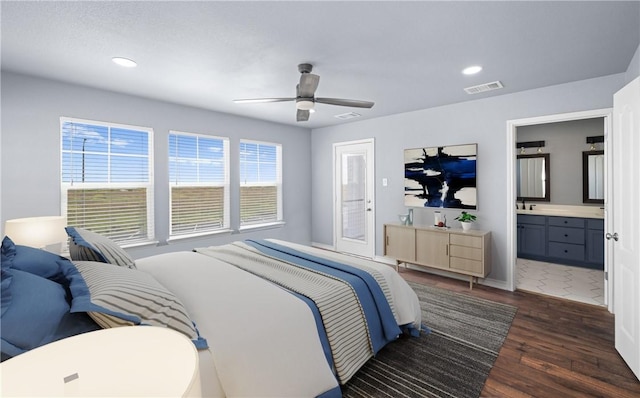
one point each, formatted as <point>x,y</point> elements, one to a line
<point>323,246</point>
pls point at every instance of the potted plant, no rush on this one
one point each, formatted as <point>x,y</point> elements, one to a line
<point>465,220</point>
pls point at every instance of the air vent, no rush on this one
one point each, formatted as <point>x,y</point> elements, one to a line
<point>481,88</point>
<point>348,115</point>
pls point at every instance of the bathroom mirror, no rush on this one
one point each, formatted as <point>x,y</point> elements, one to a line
<point>593,177</point>
<point>533,177</point>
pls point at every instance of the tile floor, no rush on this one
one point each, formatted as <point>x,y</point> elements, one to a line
<point>573,283</point>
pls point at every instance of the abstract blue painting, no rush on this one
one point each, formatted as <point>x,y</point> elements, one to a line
<point>442,176</point>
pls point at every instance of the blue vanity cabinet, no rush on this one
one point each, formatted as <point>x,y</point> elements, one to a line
<point>562,240</point>
<point>532,237</point>
<point>595,243</point>
<point>566,239</point>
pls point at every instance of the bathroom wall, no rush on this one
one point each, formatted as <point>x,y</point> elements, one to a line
<point>564,142</point>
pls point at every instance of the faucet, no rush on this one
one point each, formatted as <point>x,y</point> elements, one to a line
<point>524,205</point>
<point>531,207</point>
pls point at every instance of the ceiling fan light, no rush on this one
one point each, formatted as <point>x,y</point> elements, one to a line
<point>304,104</point>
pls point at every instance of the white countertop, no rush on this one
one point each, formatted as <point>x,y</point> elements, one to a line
<point>563,210</point>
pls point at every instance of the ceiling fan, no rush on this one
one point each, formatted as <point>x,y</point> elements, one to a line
<point>305,99</point>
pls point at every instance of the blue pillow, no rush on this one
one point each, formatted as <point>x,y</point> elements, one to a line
<point>37,313</point>
<point>90,246</point>
<point>34,261</point>
<point>5,293</point>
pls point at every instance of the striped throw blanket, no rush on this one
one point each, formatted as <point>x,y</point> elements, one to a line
<point>337,301</point>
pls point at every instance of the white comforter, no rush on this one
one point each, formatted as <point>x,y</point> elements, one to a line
<point>263,341</point>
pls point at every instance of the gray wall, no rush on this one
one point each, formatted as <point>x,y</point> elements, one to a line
<point>633,70</point>
<point>30,153</point>
<point>564,142</point>
<point>481,121</point>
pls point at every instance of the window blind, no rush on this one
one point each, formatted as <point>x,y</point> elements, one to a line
<point>106,179</point>
<point>260,183</point>
<point>199,183</point>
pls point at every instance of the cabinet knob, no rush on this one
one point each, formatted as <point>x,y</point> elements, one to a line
<point>566,251</point>
<point>565,235</point>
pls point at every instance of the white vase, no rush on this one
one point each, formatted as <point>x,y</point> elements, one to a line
<point>466,225</point>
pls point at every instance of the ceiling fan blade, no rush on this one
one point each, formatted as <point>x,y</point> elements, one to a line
<point>302,115</point>
<point>308,85</point>
<point>345,102</point>
<point>261,100</point>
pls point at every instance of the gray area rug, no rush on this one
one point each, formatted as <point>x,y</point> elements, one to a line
<point>454,360</point>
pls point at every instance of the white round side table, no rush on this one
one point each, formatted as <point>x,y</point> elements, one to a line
<point>129,361</point>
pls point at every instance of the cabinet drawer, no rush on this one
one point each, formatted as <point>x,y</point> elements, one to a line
<point>465,240</point>
<point>466,265</point>
<point>529,219</point>
<point>566,235</point>
<point>567,222</point>
<point>593,223</point>
<point>566,251</point>
<point>470,253</point>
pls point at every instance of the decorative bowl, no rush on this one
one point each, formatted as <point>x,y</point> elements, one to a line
<point>404,218</point>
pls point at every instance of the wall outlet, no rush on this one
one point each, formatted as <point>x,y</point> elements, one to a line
<point>385,182</point>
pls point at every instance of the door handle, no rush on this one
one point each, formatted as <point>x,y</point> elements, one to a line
<point>614,236</point>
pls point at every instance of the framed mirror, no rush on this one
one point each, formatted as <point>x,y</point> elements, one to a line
<point>593,177</point>
<point>533,178</point>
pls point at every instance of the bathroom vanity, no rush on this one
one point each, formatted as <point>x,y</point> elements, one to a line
<point>571,235</point>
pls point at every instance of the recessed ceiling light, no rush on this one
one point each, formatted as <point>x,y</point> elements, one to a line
<point>126,62</point>
<point>472,70</point>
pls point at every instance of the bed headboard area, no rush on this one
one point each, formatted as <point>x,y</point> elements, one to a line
<point>46,297</point>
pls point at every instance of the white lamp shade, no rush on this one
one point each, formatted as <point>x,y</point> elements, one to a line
<point>37,232</point>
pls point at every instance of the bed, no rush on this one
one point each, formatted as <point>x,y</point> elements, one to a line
<point>269,317</point>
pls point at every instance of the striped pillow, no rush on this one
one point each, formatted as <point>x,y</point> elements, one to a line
<point>85,245</point>
<point>119,296</point>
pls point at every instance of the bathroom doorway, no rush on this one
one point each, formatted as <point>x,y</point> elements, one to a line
<point>558,233</point>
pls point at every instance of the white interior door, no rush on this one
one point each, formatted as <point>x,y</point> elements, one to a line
<point>624,239</point>
<point>354,219</point>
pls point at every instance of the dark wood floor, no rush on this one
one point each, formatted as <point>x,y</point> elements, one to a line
<point>555,347</point>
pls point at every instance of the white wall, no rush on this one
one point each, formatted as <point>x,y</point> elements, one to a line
<point>481,121</point>
<point>30,152</point>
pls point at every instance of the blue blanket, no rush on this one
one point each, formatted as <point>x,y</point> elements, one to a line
<point>383,327</point>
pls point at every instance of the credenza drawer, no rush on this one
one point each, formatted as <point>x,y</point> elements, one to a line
<point>465,240</point>
<point>566,251</point>
<point>470,253</point>
<point>566,235</point>
<point>467,265</point>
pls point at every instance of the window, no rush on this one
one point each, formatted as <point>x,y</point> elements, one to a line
<point>106,179</point>
<point>260,183</point>
<point>199,183</point>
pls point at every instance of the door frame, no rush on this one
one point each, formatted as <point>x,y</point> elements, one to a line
<point>370,180</point>
<point>511,150</point>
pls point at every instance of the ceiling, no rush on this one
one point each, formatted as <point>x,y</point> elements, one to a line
<point>404,56</point>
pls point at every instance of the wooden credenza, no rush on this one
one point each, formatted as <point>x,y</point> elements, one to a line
<point>451,249</point>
